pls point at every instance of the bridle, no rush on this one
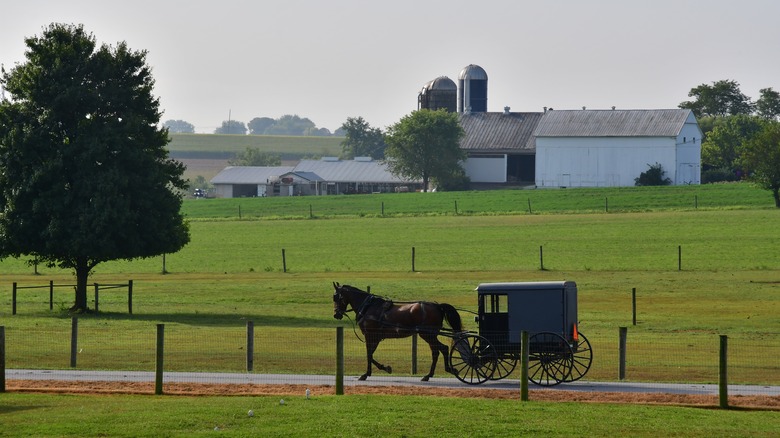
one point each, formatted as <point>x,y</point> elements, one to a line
<point>341,305</point>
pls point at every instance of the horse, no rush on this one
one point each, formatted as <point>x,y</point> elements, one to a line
<point>381,319</point>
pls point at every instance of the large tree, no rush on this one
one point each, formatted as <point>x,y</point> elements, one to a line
<point>768,104</point>
<point>258,125</point>
<point>722,98</point>
<point>362,140</point>
<point>761,159</point>
<point>179,126</point>
<point>85,176</point>
<point>722,147</point>
<point>426,145</point>
<point>231,127</point>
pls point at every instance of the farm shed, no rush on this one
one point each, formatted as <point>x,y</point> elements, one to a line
<point>327,176</point>
<point>500,146</point>
<point>602,148</point>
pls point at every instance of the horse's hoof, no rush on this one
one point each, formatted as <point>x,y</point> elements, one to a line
<point>389,369</point>
<point>425,379</point>
<point>363,377</point>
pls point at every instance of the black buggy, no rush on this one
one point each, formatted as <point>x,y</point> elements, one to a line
<point>558,351</point>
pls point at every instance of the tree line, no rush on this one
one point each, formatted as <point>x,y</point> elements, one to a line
<point>741,137</point>
<point>293,125</point>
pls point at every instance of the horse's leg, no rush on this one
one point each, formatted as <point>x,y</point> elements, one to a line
<point>436,348</point>
<point>371,345</point>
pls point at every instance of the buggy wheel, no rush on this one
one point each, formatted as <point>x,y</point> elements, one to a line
<point>473,359</point>
<point>549,359</point>
<point>504,366</point>
<point>581,359</point>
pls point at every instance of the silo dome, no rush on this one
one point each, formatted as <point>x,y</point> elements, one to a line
<point>438,93</point>
<point>472,89</point>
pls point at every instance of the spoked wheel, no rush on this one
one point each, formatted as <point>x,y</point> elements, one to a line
<point>583,355</point>
<point>549,359</point>
<point>473,359</point>
<point>504,366</point>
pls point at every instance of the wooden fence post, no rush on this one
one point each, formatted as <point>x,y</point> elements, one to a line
<point>284,261</point>
<point>633,304</point>
<point>97,290</point>
<point>74,341</point>
<point>623,334</point>
<point>723,381</point>
<point>13,300</point>
<point>414,354</point>
<point>541,258</point>
<point>413,260</point>
<point>2,358</point>
<point>679,257</point>
<point>524,349</point>
<point>130,296</point>
<point>158,371</point>
<point>339,360</point>
<point>51,294</point>
<point>250,345</point>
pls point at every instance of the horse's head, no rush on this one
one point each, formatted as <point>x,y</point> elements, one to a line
<point>340,302</point>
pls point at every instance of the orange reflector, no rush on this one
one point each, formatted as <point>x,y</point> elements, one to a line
<point>576,334</point>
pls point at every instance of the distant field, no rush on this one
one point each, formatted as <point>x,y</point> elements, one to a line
<point>215,146</point>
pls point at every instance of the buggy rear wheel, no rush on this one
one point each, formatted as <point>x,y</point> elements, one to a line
<point>583,355</point>
<point>473,359</point>
<point>549,359</point>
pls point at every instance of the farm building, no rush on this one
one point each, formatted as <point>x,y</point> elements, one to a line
<point>328,176</point>
<point>570,148</point>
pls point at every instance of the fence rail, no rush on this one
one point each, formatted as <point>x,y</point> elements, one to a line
<point>288,352</point>
<point>51,287</point>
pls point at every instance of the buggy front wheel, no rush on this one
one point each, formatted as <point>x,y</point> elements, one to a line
<point>473,359</point>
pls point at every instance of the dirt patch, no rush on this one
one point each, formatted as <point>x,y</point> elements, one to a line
<point>204,389</point>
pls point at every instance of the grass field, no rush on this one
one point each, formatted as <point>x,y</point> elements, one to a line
<point>225,146</point>
<point>232,271</point>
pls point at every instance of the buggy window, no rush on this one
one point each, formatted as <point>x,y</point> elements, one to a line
<point>494,303</point>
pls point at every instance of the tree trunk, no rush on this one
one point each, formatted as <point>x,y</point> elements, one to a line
<point>776,194</point>
<point>82,275</point>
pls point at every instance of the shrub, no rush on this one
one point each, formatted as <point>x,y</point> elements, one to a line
<point>718,175</point>
<point>654,176</point>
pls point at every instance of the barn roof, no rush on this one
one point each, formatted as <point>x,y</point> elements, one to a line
<point>249,174</point>
<point>499,132</point>
<point>363,170</point>
<point>613,123</point>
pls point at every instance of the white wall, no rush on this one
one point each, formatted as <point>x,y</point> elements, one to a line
<point>601,161</point>
<point>223,190</point>
<point>486,169</point>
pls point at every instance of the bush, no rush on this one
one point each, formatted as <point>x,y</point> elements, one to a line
<point>718,175</point>
<point>654,176</point>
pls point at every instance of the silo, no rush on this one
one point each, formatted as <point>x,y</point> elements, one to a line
<point>472,90</point>
<point>438,93</point>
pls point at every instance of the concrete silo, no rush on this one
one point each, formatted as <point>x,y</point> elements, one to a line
<point>472,90</point>
<point>438,93</point>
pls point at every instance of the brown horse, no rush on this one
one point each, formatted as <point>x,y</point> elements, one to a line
<point>380,319</point>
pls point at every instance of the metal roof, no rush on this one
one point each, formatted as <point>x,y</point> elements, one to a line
<point>499,132</point>
<point>613,123</point>
<point>249,174</point>
<point>361,171</point>
<point>330,169</point>
<point>472,72</point>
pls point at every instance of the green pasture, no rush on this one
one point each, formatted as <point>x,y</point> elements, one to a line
<point>361,416</point>
<point>225,146</point>
<point>490,202</point>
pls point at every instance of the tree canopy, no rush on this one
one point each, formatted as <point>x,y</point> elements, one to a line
<point>760,157</point>
<point>84,173</point>
<point>255,157</point>
<point>231,127</point>
<point>361,140</point>
<point>258,125</point>
<point>722,98</point>
<point>179,126</point>
<point>426,145</point>
<point>768,104</point>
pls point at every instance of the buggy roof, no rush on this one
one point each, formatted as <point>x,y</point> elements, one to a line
<point>492,288</point>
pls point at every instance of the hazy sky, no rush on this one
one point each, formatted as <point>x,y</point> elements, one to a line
<point>329,60</point>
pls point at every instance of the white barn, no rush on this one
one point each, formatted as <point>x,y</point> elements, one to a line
<point>604,148</point>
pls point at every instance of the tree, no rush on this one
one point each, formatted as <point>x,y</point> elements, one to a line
<point>85,176</point>
<point>654,176</point>
<point>722,98</point>
<point>722,147</point>
<point>179,127</point>
<point>425,144</point>
<point>290,125</point>
<point>255,157</point>
<point>768,104</point>
<point>231,127</point>
<point>258,125</point>
<point>361,140</point>
<point>760,157</point>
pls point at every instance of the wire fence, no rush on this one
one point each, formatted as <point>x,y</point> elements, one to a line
<point>218,355</point>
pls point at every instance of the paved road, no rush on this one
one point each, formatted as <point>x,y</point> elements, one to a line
<point>380,380</point>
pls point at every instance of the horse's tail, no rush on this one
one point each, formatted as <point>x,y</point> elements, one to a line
<point>452,316</point>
